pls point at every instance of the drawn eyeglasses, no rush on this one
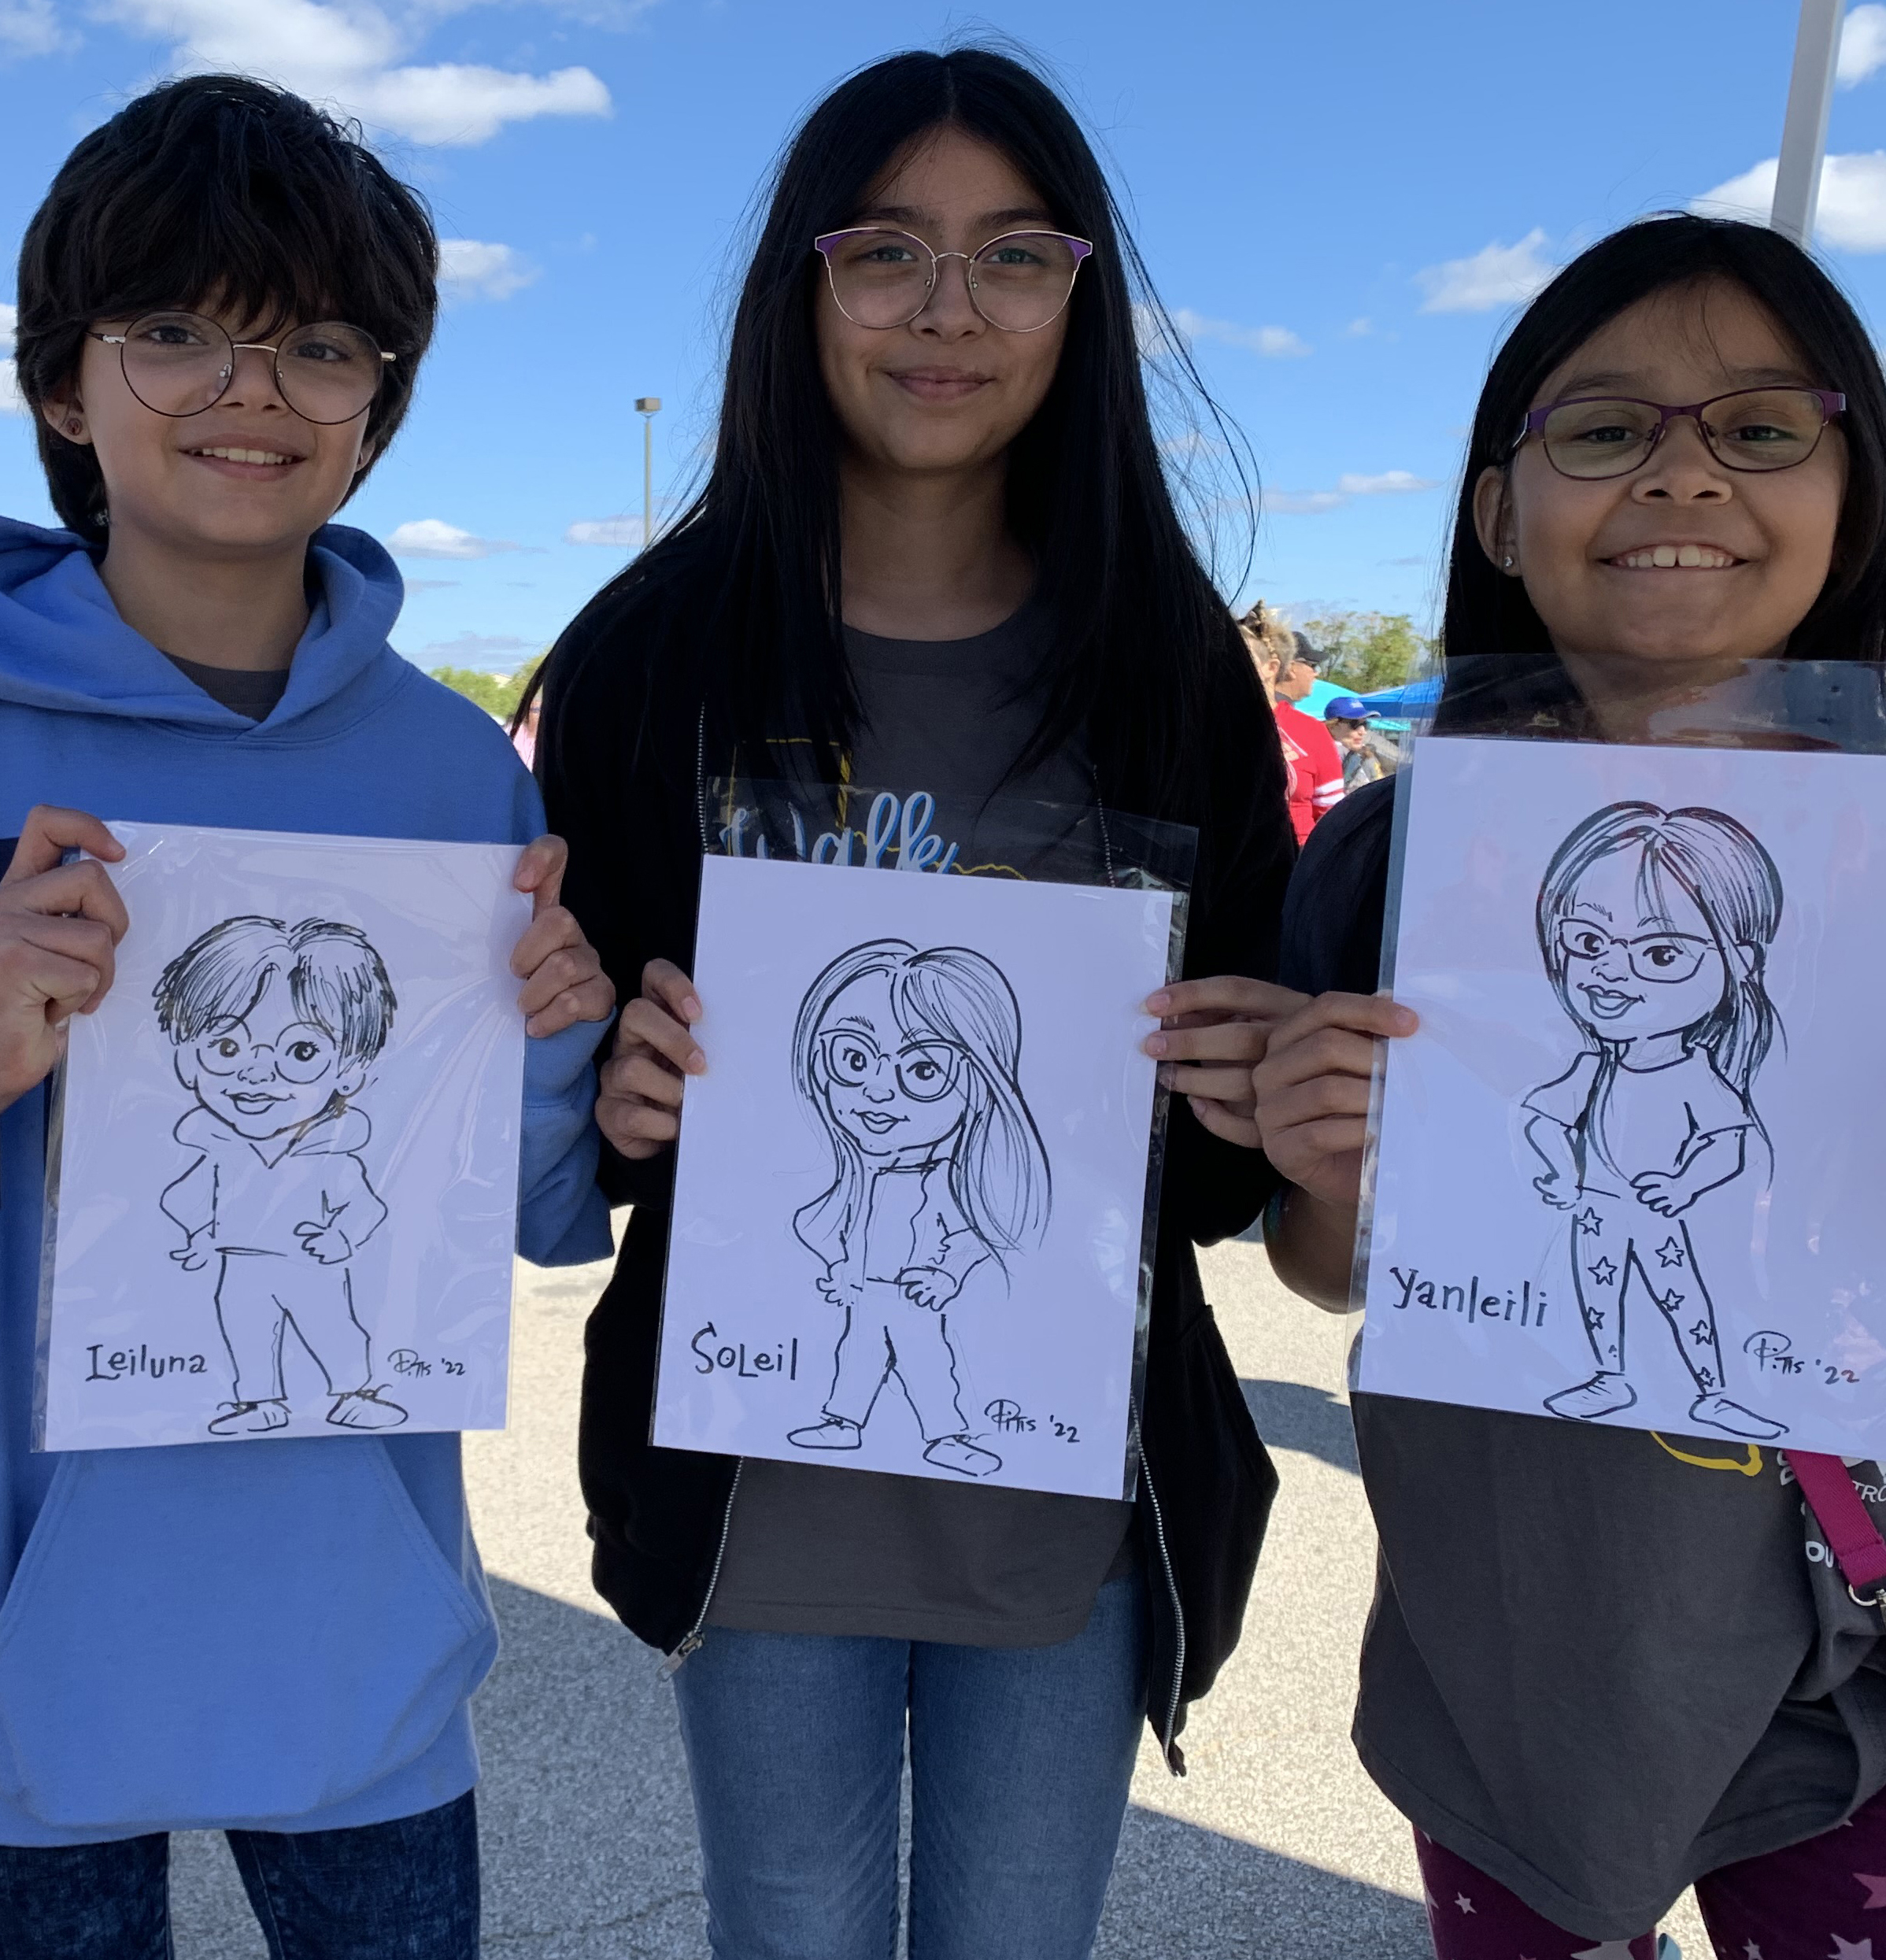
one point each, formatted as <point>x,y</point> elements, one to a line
<point>925,1071</point>
<point>1659,956</point>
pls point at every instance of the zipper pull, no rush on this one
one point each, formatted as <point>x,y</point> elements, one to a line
<point>672,1665</point>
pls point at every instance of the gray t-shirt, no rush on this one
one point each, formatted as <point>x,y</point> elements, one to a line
<point>246,691</point>
<point>817,1549</point>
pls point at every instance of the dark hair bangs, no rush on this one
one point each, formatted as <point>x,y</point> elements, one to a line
<point>220,191</point>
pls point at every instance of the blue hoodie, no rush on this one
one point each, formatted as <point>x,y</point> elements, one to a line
<point>282,1635</point>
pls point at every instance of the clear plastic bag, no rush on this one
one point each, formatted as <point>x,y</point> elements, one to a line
<point>916,1199</point>
<point>1628,1170</point>
<point>282,1173</point>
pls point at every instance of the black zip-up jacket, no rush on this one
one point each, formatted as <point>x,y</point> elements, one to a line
<point>621,763</point>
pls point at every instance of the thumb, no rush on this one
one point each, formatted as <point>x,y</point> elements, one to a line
<point>540,869</point>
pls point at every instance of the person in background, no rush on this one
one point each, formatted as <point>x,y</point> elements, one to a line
<point>1366,756</point>
<point>1316,765</point>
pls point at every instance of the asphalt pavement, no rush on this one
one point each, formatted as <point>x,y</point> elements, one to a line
<point>1274,1844</point>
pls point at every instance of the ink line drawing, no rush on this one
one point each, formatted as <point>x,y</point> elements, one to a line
<point>1655,926</point>
<point>275,1028</point>
<point>910,1061</point>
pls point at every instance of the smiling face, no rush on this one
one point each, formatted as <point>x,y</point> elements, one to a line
<point>1638,961</point>
<point>947,392</point>
<point>269,1072</point>
<point>893,1094</point>
<point>246,477</point>
<point>1683,562</point>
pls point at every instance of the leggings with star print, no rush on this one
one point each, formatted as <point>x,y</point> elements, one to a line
<point>1823,1899</point>
<point>1622,1253</point>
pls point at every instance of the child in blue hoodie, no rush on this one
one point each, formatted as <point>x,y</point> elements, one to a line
<point>222,304</point>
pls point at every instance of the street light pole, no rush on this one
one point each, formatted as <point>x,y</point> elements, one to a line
<point>648,407</point>
<point>1804,134</point>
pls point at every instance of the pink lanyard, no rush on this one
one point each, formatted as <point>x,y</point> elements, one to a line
<point>1850,1532</point>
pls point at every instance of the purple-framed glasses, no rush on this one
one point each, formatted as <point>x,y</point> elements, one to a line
<point>1752,429</point>
<point>1020,282</point>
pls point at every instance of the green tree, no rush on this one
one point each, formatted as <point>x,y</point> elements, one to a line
<point>493,692</point>
<point>1368,651</point>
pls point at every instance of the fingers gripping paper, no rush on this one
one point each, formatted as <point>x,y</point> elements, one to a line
<point>1627,1171</point>
<point>909,1199</point>
<point>283,1180</point>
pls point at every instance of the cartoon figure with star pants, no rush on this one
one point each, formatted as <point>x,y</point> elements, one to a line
<point>1655,926</point>
<point>275,1027</point>
<point>909,1061</point>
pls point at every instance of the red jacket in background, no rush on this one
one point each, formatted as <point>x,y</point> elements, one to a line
<point>1315,766</point>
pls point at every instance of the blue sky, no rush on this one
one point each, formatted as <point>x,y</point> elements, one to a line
<point>1342,203</point>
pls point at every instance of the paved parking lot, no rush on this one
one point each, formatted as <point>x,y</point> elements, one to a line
<point>1274,1845</point>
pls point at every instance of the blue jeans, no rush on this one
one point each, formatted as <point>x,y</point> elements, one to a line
<point>1020,1759</point>
<point>406,1890</point>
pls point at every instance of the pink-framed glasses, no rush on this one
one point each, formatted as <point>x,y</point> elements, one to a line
<point>1020,282</point>
<point>1752,429</point>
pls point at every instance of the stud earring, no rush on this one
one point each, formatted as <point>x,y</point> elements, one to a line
<point>1507,561</point>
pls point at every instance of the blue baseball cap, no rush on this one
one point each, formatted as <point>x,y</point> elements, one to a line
<point>1350,708</point>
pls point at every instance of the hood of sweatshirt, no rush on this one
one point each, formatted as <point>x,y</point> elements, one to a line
<point>64,648</point>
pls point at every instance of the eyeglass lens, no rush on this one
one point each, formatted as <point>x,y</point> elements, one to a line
<point>181,363</point>
<point>1758,429</point>
<point>1666,956</point>
<point>1020,282</point>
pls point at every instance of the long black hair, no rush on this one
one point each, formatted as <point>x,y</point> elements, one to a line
<point>738,602</point>
<point>219,188</point>
<point>1488,613</point>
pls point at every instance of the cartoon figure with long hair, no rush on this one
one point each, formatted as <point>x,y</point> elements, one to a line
<point>275,1027</point>
<point>909,1061</point>
<point>1655,926</point>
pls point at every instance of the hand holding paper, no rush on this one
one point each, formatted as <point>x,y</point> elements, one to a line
<point>60,924</point>
<point>563,980</point>
<point>639,1109</point>
<point>1221,1027</point>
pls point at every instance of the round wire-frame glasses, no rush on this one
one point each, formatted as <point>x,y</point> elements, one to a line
<point>178,363</point>
<point>1011,278</point>
<point>1581,435</point>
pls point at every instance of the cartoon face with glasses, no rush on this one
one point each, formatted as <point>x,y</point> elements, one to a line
<point>1655,926</point>
<point>909,1063</point>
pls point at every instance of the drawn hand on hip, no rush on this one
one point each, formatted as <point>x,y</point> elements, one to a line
<point>327,1243</point>
<point>1212,1033</point>
<point>60,924</point>
<point>191,1256</point>
<point>1666,1193</point>
<point>639,1109</point>
<point>562,972</point>
<point>929,1286</point>
<point>843,1285</point>
<point>1555,1192</point>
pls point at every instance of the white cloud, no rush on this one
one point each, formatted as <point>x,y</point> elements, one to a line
<point>1360,329</point>
<point>468,268</point>
<point>352,53</point>
<point>1388,484</point>
<point>31,27</point>
<point>1851,216</point>
<point>483,652</point>
<point>622,532</point>
<point>433,537</point>
<point>1495,275</point>
<point>11,401</point>
<point>1862,45</point>
<point>1349,486</point>
<point>1275,342</point>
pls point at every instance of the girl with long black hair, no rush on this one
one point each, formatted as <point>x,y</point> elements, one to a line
<point>936,554</point>
<point>1604,1664</point>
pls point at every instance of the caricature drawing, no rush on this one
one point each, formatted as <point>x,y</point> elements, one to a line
<point>909,1061</point>
<point>1655,926</point>
<point>275,1027</point>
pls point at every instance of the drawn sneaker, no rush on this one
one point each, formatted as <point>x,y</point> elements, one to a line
<point>365,1409</point>
<point>834,1433</point>
<point>1720,1413</point>
<point>957,1453</point>
<point>249,1418</point>
<point>1604,1395</point>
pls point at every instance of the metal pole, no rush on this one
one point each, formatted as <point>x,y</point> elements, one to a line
<point>648,407</point>
<point>1804,134</point>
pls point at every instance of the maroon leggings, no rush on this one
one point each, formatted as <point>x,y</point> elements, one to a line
<point>1824,1899</point>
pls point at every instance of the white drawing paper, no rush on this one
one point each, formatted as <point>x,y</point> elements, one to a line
<point>911,1186</point>
<point>282,1182</point>
<point>1628,1172</point>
